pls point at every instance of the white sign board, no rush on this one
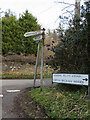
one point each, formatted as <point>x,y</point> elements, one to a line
<point>76,79</point>
<point>39,37</point>
<point>33,33</point>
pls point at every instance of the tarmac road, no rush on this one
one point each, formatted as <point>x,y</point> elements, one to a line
<point>10,89</point>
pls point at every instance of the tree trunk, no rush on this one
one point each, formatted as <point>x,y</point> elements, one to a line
<point>77,13</point>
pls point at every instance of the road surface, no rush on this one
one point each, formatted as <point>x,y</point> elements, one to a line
<point>10,89</point>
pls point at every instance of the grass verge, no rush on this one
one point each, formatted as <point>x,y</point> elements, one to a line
<point>22,76</point>
<point>63,101</point>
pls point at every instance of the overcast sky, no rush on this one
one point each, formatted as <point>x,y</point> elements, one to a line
<point>47,12</point>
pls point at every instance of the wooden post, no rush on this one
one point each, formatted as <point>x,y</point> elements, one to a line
<point>89,88</point>
<point>42,58</point>
<point>89,94</point>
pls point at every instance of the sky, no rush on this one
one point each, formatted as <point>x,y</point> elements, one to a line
<point>47,12</point>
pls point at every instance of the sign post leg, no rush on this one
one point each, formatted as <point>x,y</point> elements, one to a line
<point>36,63</point>
<point>89,88</point>
<point>42,68</point>
<point>89,95</point>
<point>42,57</point>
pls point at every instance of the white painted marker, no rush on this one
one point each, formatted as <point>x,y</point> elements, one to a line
<point>13,91</point>
<point>1,95</point>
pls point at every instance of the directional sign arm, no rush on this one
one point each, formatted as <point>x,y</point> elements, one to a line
<point>27,34</point>
<point>38,37</point>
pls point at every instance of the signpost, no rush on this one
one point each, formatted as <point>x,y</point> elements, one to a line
<point>33,33</point>
<point>36,62</point>
<point>39,35</point>
<point>75,79</point>
<point>42,57</point>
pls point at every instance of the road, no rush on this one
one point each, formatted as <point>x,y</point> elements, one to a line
<point>10,89</point>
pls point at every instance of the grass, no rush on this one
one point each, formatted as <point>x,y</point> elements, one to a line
<point>27,71</point>
<point>22,76</point>
<point>63,101</point>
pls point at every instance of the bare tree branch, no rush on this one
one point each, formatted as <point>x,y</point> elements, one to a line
<point>65,3</point>
<point>66,7</point>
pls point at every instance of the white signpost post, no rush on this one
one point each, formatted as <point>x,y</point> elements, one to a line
<point>75,79</point>
<point>39,35</point>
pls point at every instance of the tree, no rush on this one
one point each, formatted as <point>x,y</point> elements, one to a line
<point>9,33</point>
<point>77,14</point>
<point>13,31</point>
<point>87,16</point>
<point>72,53</point>
<point>28,23</point>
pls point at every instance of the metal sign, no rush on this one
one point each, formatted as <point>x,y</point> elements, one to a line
<point>38,41</point>
<point>39,37</point>
<point>27,34</point>
<point>76,79</point>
